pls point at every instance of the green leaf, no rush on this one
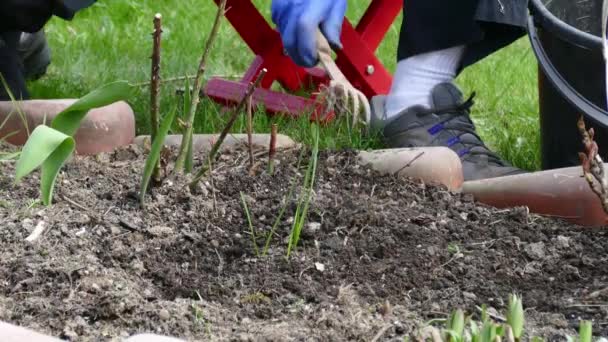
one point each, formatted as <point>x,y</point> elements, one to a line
<point>42,143</point>
<point>69,119</point>
<point>155,150</point>
<point>484,313</point>
<point>453,336</point>
<point>500,331</point>
<point>515,316</point>
<point>585,331</point>
<point>51,167</point>
<point>474,332</point>
<point>488,332</point>
<point>48,148</point>
<point>456,324</point>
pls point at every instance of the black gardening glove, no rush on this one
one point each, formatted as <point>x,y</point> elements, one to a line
<point>32,15</point>
<point>67,8</point>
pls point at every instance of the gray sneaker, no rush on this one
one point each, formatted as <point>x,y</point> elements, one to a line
<point>34,53</point>
<point>446,124</point>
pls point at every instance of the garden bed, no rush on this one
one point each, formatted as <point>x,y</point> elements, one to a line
<point>378,255</point>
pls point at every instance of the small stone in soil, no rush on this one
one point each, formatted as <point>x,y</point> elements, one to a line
<point>164,315</point>
<point>535,251</point>
<point>160,231</point>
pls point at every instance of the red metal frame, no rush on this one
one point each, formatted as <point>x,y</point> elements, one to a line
<point>357,60</point>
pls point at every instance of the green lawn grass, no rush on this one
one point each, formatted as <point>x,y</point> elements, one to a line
<point>112,40</point>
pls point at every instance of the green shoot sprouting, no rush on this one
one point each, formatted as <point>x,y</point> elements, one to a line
<point>50,147</point>
<point>251,228</point>
<point>515,316</point>
<point>302,208</point>
<point>5,156</point>
<point>585,332</point>
<point>154,156</point>
<point>283,209</point>
<point>455,327</point>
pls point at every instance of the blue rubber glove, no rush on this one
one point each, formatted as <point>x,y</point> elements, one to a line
<point>298,22</point>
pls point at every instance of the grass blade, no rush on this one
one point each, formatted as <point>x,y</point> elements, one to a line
<point>283,209</point>
<point>251,228</point>
<point>154,155</point>
<point>302,209</point>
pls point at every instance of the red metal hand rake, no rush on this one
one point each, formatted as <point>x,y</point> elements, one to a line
<point>356,60</point>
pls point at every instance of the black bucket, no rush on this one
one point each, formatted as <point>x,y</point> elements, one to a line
<point>566,38</point>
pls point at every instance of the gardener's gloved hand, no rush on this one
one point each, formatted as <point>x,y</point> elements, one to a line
<point>298,22</point>
<point>32,15</point>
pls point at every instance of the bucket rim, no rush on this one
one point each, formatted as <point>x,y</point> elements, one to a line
<point>550,22</point>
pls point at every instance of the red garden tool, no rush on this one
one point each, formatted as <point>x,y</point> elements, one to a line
<point>356,61</point>
<point>341,93</point>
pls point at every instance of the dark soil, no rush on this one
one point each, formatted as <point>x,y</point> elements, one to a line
<point>377,252</point>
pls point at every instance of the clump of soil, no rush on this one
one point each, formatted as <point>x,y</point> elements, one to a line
<point>377,254</point>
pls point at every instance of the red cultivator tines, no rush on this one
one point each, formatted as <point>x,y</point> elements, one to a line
<point>357,60</point>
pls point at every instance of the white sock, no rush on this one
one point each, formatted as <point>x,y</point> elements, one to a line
<point>416,77</point>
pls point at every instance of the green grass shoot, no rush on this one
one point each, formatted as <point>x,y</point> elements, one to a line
<point>455,327</point>
<point>50,147</point>
<point>251,228</point>
<point>6,156</point>
<point>458,329</point>
<point>515,316</point>
<point>303,205</point>
<point>585,332</point>
<point>287,200</point>
<point>154,155</point>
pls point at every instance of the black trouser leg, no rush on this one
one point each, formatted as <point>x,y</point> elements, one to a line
<point>11,68</point>
<point>484,26</point>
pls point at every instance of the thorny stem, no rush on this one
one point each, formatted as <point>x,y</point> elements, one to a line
<point>183,78</point>
<point>272,149</point>
<point>250,130</point>
<point>216,147</point>
<point>155,88</point>
<point>593,165</point>
<point>198,84</point>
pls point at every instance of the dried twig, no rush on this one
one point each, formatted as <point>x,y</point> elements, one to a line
<point>250,130</point>
<point>593,165</point>
<point>381,332</point>
<point>272,150</point>
<point>165,80</point>
<point>410,163</point>
<point>216,147</point>
<point>155,88</point>
<point>198,84</point>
